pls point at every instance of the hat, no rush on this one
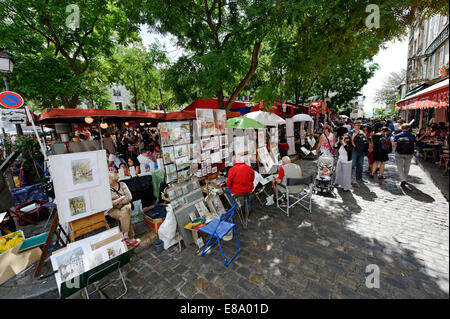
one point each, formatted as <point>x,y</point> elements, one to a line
<point>357,122</point>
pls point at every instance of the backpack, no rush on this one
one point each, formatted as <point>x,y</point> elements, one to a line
<point>385,144</point>
<point>361,143</point>
<point>405,145</point>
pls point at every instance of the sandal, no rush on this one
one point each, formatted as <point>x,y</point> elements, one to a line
<point>132,243</point>
<point>381,177</point>
<point>372,175</point>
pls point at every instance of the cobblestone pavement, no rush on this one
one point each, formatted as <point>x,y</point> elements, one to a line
<point>322,255</point>
<point>319,255</point>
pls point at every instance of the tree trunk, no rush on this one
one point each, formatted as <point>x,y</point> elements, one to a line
<point>220,103</point>
<point>135,95</point>
<point>247,77</point>
<point>70,104</point>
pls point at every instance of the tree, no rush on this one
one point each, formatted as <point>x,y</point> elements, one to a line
<point>388,94</point>
<point>222,40</point>
<point>137,69</point>
<point>67,39</point>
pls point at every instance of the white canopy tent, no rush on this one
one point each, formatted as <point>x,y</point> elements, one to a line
<point>302,118</point>
<point>266,118</point>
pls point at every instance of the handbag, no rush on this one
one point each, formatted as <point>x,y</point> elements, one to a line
<point>332,150</point>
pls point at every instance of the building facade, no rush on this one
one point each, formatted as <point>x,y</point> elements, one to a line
<point>428,52</point>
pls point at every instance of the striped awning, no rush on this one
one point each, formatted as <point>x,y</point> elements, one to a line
<point>433,96</point>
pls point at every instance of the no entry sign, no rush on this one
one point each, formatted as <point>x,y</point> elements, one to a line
<point>11,100</point>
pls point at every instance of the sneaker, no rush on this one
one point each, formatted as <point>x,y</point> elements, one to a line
<point>403,184</point>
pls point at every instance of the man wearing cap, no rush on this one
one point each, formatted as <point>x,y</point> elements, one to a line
<point>361,148</point>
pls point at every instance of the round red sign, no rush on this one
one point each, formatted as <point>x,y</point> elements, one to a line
<point>11,100</point>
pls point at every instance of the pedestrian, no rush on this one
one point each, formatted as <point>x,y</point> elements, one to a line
<point>326,142</point>
<point>404,149</point>
<point>368,132</point>
<point>344,163</point>
<point>145,162</point>
<point>361,149</point>
<point>381,148</point>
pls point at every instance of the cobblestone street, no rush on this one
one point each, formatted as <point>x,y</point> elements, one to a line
<point>323,255</point>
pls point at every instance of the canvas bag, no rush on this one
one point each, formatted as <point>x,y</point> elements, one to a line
<point>168,228</point>
<point>385,144</point>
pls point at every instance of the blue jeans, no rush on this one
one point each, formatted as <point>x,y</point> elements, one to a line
<point>233,201</point>
<point>358,161</point>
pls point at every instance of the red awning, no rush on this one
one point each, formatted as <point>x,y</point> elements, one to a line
<point>433,96</point>
<point>212,104</point>
<point>52,116</point>
<point>276,108</point>
<point>318,108</point>
<point>77,115</point>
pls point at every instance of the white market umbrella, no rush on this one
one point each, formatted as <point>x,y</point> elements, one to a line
<point>302,118</point>
<point>266,118</point>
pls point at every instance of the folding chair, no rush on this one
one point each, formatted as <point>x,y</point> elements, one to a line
<point>218,228</point>
<point>295,189</point>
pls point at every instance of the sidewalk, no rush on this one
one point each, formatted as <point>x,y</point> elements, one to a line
<point>436,174</point>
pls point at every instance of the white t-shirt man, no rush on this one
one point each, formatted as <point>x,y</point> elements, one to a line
<point>144,160</point>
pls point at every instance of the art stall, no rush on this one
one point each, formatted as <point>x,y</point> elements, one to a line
<point>83,198</point>
<point>196,156</point>
<point>305,141</point>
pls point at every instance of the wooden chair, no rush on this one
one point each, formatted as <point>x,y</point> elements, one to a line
<point>427,151</point>
<point>443,158</point>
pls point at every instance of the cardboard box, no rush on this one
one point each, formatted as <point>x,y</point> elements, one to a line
<point>154,224</point>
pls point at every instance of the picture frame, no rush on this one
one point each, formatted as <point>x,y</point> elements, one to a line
<point>168,154</point>
<point>181,150</point>
<point>206,144</point>
<point>81,171</point>
<point>76,206</point>
<point>215,205</point>
<point>182,163</point>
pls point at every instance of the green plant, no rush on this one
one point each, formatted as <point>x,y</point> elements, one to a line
<point>30,150</point>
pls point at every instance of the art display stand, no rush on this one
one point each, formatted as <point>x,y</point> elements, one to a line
<point>85,225</point>
<point>55,229</point>
<point>95,274</point>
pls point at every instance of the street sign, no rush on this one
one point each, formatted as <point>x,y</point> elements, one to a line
<point>14,116</point>
<point>11,100</point>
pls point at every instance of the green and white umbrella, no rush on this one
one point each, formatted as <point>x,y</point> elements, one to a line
<point>243,123</point>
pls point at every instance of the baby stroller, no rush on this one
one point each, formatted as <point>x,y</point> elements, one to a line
<point>324,184</point>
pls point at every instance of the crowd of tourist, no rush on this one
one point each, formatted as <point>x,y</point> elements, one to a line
<point>353,141</point>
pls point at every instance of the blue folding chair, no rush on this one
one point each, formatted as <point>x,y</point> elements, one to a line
<point>218,228</point>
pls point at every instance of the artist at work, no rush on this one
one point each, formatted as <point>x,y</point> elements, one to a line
<point>121,200</point>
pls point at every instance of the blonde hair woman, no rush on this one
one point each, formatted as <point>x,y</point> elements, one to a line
<point>121,200</point>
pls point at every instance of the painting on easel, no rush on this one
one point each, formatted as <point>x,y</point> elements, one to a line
<point>81,171</point>
<point>78,205</point>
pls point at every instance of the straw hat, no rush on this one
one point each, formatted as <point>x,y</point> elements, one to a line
<point>357,122</point>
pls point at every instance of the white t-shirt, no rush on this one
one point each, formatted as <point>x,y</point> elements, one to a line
<point>143,160</point>
<point>396,126</point>
<point>115,159</point>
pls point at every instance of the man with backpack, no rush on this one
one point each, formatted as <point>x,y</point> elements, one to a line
<point>404,149</point>
<point>361,149</point>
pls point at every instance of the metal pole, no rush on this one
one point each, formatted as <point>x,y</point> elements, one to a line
<point>6,80</point>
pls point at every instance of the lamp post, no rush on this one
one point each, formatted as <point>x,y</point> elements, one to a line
<point>6,66</point>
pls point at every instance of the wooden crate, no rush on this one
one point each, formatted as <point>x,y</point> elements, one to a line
<point>154,224</point>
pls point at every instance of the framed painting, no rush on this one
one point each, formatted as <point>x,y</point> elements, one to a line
<point>81,171</point>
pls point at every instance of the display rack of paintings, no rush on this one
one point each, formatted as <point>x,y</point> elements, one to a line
<point>175,133</point>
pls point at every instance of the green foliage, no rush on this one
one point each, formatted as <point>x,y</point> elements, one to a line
<point>55,63</point>
<point>30,150</point>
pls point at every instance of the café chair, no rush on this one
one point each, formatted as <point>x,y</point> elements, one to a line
<point>427,151</point>
<point>299,190</point>
<point>217,229</point>
<point>442,159</point>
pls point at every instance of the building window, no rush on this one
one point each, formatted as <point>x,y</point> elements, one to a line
<point>119,105</point>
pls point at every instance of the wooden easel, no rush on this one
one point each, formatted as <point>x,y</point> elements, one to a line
<point>55,229</point>
<point>87,224</point>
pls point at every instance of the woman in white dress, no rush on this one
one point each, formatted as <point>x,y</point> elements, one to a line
<point>344,164</point>
<point>326,142</point>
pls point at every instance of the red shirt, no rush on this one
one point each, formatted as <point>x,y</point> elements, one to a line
<point>240,179</point>
<point>283,147</point>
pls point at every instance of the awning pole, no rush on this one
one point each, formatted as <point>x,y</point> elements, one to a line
<point>35,132</point>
